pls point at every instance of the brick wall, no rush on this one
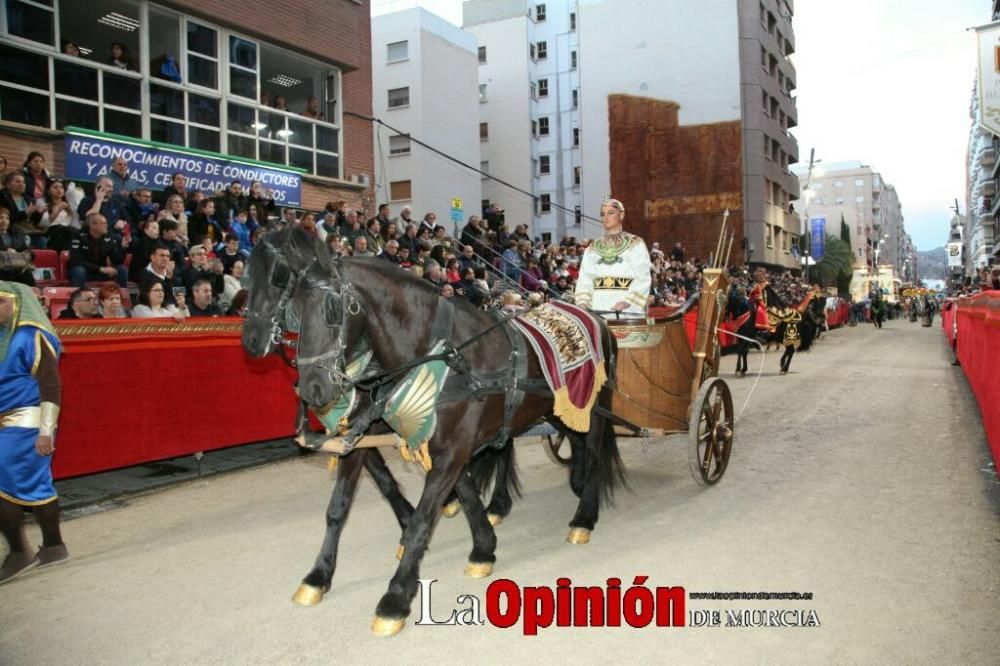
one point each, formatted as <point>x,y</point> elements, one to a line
<point>675,181</point>
<point>16,144</point>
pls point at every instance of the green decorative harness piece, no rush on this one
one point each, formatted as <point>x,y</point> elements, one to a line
<point>335,418</point>
<point>410,408</point>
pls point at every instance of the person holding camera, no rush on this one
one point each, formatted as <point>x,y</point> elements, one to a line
<point>152,302</point>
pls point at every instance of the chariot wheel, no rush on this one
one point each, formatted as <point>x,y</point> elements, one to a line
<point>554,447</point>
<point>711,432</point>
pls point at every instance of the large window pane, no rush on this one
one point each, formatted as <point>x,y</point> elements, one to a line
<point>166,132</point>
<point>76,114</point>
<point>327,165</point>
<point>201,39</point>
<point>241,118</point>
<point>122,91</point>
<point>272,152</point>
<point>165,101</point>
<point>242,53</point>
<point>76,80</point>
<point>203,138</point>
<point>242,146</point>
<point>164,43</point>
<point>270,124</point>
<point>30,22</point>
<point>24,68</point>
<point>119,122</point>
<point>24,107</point>
<point>203,72</point>
<point>300,133</point>
<point>203,110</point>
<point>301,158</point>
<point>327,139</point>
<point>242,83</point>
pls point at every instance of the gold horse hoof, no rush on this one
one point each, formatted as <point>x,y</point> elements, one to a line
<point>399,552</point>
<point>386,626</point>
<point>494,518</point>
<point>578,535</point>
<point>478,569</point>
<point>308,595</point>
<point>451,509</point>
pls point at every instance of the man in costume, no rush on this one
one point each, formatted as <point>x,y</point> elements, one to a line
<point>29,412</point>
<point>615,272</point>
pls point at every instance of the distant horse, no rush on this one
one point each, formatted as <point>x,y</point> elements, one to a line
<point>343,301</point>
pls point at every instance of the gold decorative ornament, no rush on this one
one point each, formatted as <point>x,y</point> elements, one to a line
<point>387,626</point>
<point>400,550</point>
<point>333,463</point>
<point>478,569</point>
<point>451,509</point>
<point>495,519</point>
<point>309,595</point>
<point>578,535</point>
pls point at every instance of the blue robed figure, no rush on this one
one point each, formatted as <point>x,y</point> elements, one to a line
<point>29,412</point>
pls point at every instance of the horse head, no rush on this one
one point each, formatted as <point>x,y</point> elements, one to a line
<point>270,276</point>
<point>332,322</point>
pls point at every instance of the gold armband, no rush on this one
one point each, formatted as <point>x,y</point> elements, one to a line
<point>49,419</point>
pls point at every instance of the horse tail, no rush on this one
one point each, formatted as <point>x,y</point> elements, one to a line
<point>495,466</point>
<point>610,469</point>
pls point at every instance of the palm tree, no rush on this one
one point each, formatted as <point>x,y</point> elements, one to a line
<point>837,260</point>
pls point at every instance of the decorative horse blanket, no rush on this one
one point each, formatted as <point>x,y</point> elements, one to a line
<point>567,341</point>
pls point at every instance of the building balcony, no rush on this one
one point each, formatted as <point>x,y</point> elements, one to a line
<point>989,188</point>
<point>994,208</point>
<point>988,157</point>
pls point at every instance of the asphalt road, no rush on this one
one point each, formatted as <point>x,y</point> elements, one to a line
<point>862,478</point>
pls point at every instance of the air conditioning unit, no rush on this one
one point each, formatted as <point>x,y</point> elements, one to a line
<point>362,179</point>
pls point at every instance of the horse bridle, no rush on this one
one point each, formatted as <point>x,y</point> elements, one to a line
<point>287,286</point>
<point>334,360</point>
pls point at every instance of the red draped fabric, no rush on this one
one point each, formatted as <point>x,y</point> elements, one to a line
<point>839,315</point>
<point>135,391</point>
<point>690,320</point>
<point>978,347</point>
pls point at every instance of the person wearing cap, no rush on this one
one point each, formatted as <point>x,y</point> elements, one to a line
<point>29,412</point>
<point>615,271</point>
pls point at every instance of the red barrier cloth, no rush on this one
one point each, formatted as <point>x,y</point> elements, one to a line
<point>839,315</point>
<point>978,344</point>
<point>139,390</point>
<point>948,321</point>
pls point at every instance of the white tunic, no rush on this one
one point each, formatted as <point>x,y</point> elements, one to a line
<point>615,268</point>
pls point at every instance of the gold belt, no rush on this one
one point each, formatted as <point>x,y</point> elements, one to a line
<point>23,417</point>
<point>619,283</point>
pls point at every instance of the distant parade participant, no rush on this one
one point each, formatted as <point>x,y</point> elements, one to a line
<point>615,272</point>
<point>877,308</point>
<point>29,411</point>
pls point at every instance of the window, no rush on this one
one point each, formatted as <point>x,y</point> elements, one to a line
<point>543,126</point>
<point>545,203</point>
<point>539,13</point>
<point>577,215</point>
<point>242,67</point>
<point>399,97</point>
<point>546,237</point>
<point>484,131</point>
<point>576,175</point>
<point>860,182</point>
<point>397,51</point>
<point>399,190</point>
<point>203,55</point>
<point>34,21</point>
<point>534,128</point>
<point>572,59</point>
<point>482,92</point>
<point>531,51</point>
<point>838,183</point>
<point>572,21</point>
<point>763,58</point>
<point>543,50</point>
<point>485,168</point>
<point>576,136</point>
<point>576,98</point>
<point>784,241</point>
<point>482,54</point>
<point>533,90</point>
<point>770,235</point>
<point>543,165</point>
<point>765,101</point>
<point>543,87</point>
<point>860,198</point>
<point>399,144</point>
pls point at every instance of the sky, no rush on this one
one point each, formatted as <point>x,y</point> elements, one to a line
<point>884,82</point>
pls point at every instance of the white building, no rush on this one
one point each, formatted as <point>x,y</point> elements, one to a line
<point>529,91</point>
<point>982,202</point>
<point>870,207</point>
<point>424,83</point>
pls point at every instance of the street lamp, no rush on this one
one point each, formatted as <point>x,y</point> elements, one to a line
<point>807,194</point>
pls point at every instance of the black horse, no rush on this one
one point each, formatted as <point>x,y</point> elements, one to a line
<point>271,274</point>
<point>345,301</point>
